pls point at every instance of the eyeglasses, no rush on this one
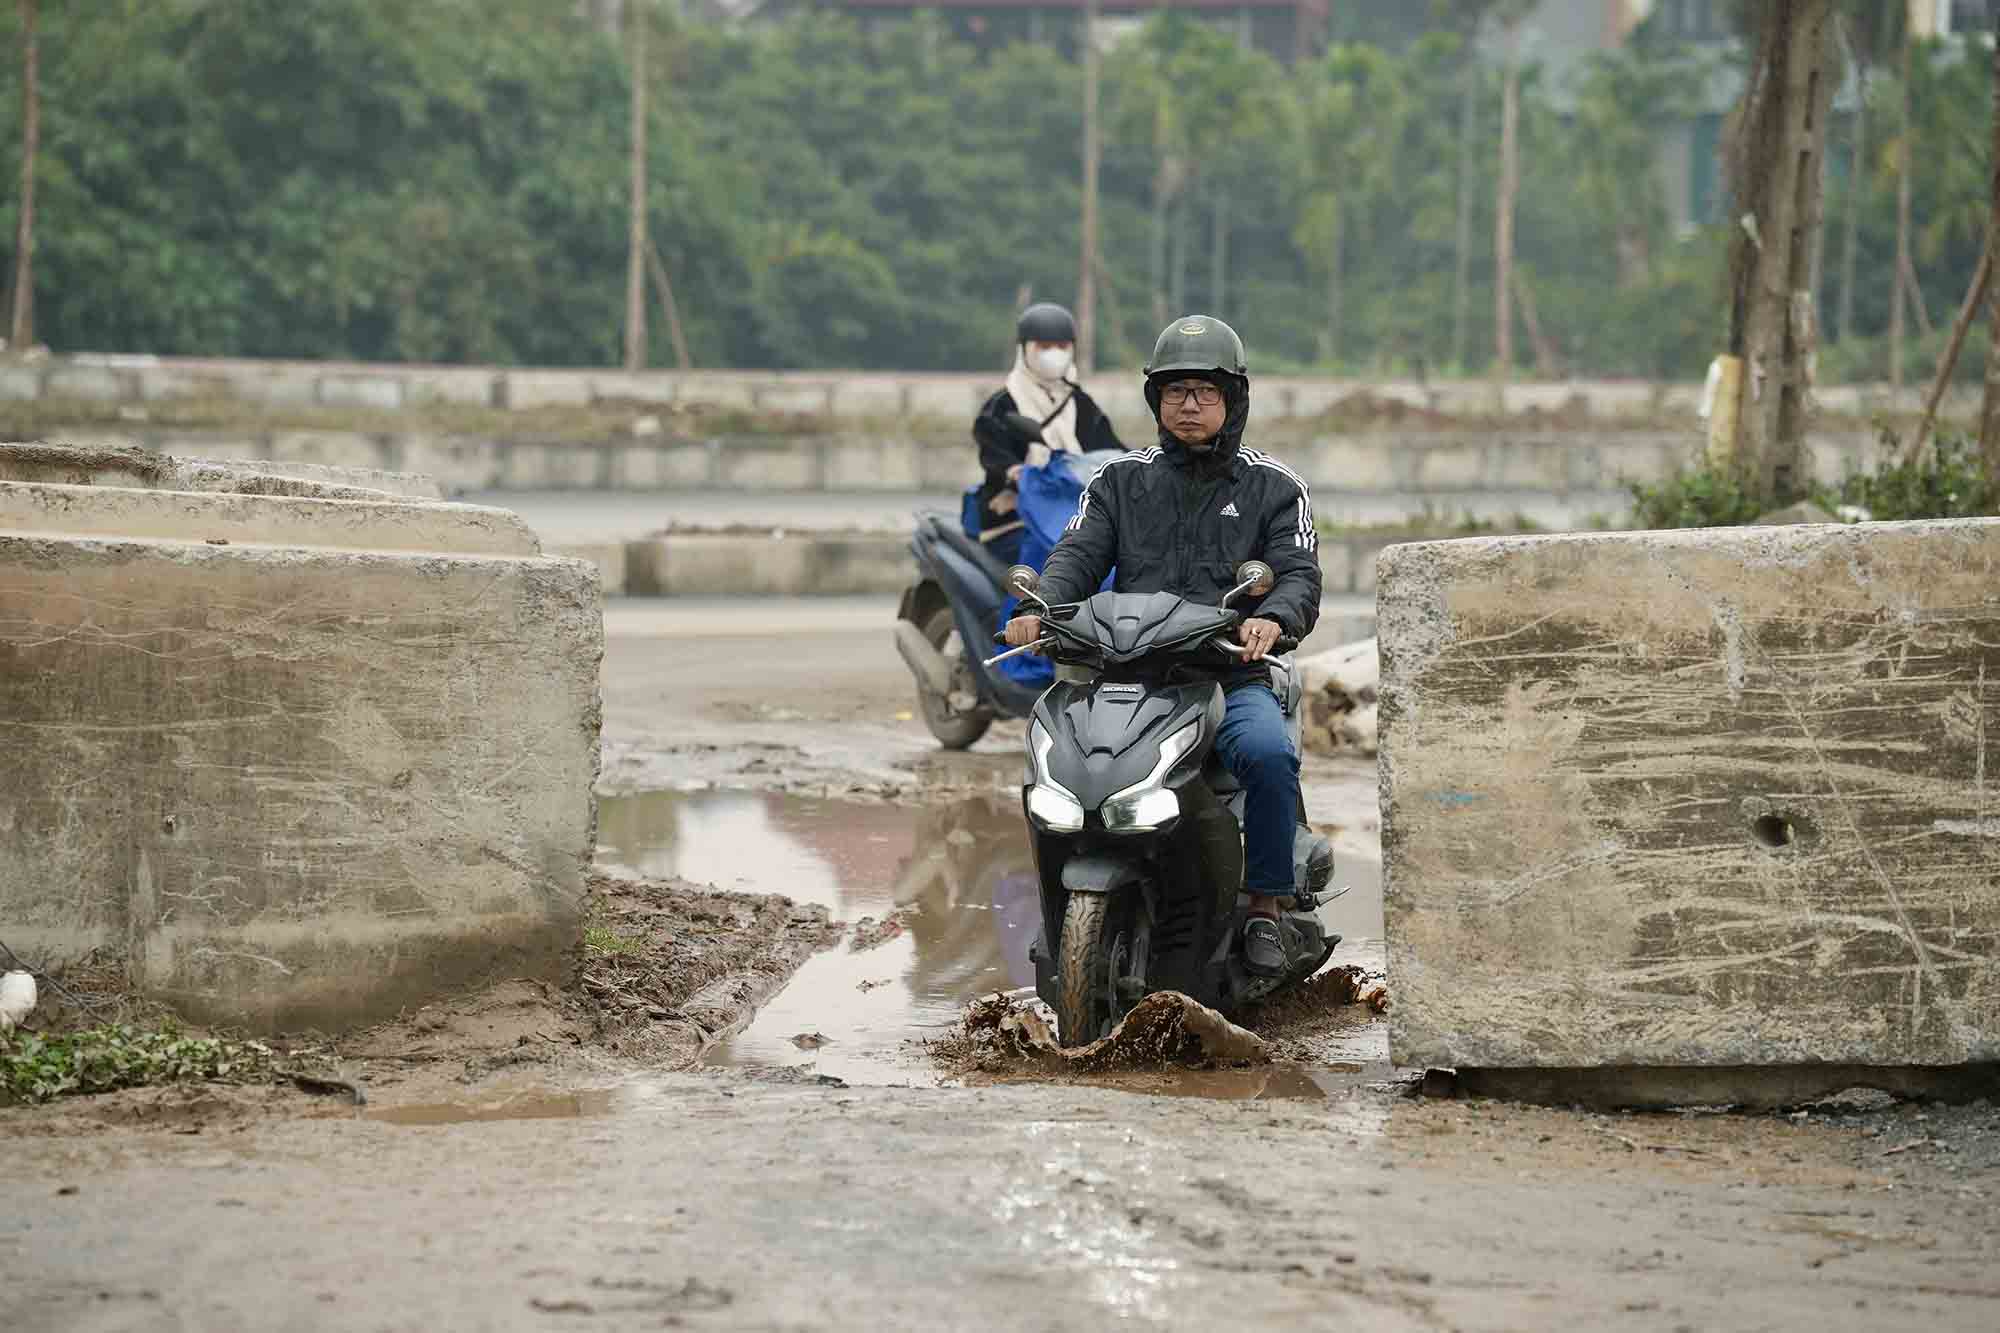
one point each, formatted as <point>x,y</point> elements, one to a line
<point>1205,395</point>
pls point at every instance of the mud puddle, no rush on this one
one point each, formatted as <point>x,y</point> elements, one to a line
<point>524,1106</point>
<point>941,905</point>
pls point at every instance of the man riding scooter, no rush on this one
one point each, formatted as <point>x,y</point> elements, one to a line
<point>1180,518</point>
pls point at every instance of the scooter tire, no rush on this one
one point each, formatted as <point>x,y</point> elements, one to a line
<point>953,729</point>
<point>1083,961</point>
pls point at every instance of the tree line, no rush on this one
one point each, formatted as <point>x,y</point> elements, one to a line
<point>450,182</point>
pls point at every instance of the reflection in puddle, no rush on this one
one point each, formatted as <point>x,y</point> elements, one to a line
<point>961,876</point>
<point>524,1106</point>
<point>1280,1082</point>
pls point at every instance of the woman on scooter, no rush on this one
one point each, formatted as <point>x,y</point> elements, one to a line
<point>1042,387</point>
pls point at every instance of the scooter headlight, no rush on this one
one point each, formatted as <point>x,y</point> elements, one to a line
<point>1050,804</point>
<point>1147,805</point>
<point>1144,812</point>
<point>1054,809</point>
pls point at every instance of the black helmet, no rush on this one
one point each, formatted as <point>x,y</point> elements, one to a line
<point>1045,322</point>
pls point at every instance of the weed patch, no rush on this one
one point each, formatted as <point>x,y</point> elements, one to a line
<point>35,1067</point>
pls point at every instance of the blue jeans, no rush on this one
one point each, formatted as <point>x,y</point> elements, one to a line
<point>1254,746</point>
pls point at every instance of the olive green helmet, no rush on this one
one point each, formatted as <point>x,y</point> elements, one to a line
<point>1194,344</point>
<point>1202,347</point>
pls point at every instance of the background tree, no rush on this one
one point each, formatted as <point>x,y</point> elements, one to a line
<point>1777,135</point>
<point>452,182</point>
<point>1352,110</point>
<point>21,327</point>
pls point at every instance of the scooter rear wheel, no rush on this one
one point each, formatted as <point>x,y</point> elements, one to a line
<point>954,729</point>
<point>1083,970</point>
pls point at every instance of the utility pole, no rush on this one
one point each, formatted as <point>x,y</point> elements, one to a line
<point>1503,222</point>
<point>635,265</point>
<point>1989,415</point>
<point>1461,279</point>
<point>22,325</point>
<point>1086,282</point>
<point>1898,286</point>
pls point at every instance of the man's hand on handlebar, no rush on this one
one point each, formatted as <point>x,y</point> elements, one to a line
<point>1023,630</point>
<point>1258,635</point>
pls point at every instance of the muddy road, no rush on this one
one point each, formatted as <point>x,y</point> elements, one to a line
<point>822,1168</point>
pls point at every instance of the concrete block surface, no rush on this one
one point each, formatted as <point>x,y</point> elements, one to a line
<point>97,383</point>
<point>295,788</point>
<point>20,384</point>
<point>227,518</point>
<point>384,393</point>
<point>1709,798</point>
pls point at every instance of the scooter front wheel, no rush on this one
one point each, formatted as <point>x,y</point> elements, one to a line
<point>955,729</point>
<point>1085,1009</point>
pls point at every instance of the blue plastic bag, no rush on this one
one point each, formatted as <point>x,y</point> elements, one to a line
<point>1049,497</point>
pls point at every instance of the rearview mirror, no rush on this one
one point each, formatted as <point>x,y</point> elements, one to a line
<point>1024,580</point>
<point>1255,577</point>
<point>1026,427</point>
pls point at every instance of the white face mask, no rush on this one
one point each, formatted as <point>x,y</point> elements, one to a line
<point>1051,363</point>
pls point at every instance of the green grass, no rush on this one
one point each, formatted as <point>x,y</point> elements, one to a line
<point>1948,482</point>
<point>37,1068</point>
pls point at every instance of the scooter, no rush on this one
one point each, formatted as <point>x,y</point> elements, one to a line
<point>960,595</point>
<point>1136,827</point>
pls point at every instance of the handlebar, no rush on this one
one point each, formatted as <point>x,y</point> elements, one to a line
<point>1285,644</point>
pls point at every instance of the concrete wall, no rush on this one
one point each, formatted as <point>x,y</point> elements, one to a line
<point>1558,478</point>
<point>1708,798</point>
<point>761,564</point>
<point>302,761</point>
<point>834,396</point>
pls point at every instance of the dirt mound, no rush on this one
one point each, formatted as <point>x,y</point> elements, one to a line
<point>1165,1028</point>
<point>665,970</point>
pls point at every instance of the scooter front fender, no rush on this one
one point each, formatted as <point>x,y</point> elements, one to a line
<point>1101,874</point>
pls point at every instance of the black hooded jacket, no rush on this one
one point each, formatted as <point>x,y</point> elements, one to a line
<point>1000,448</point>
<point>1172,520</point>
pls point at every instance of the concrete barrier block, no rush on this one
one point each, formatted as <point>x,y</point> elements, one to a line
<point>341,449</point>
<point>948,466</point>
<point>1442,466</point>
<point>1346,463</point>
<point>20,384</point>
<point>1530,464</point>
<point>944,398</point>
<point>1615,462</point>
<point>527,390</point>
<point>456,463</point>
<point>655,387</point>
<point>864,464</point>
<point>562,467</point>
<point>163,383</point>
<point>728,393</point>
<point>607,557</point>
<point>274,383</point>
<point>99,384</point>
<point>228,518</point>
<point>774,464</point>
<point>805,398</point>
<point>296,788</point>
<point>696,564</point>
<point>1704,798</point>
<point>868,398</point>
<point>1336,566</point>
<point>383,393</point>
<point>425,386</point>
